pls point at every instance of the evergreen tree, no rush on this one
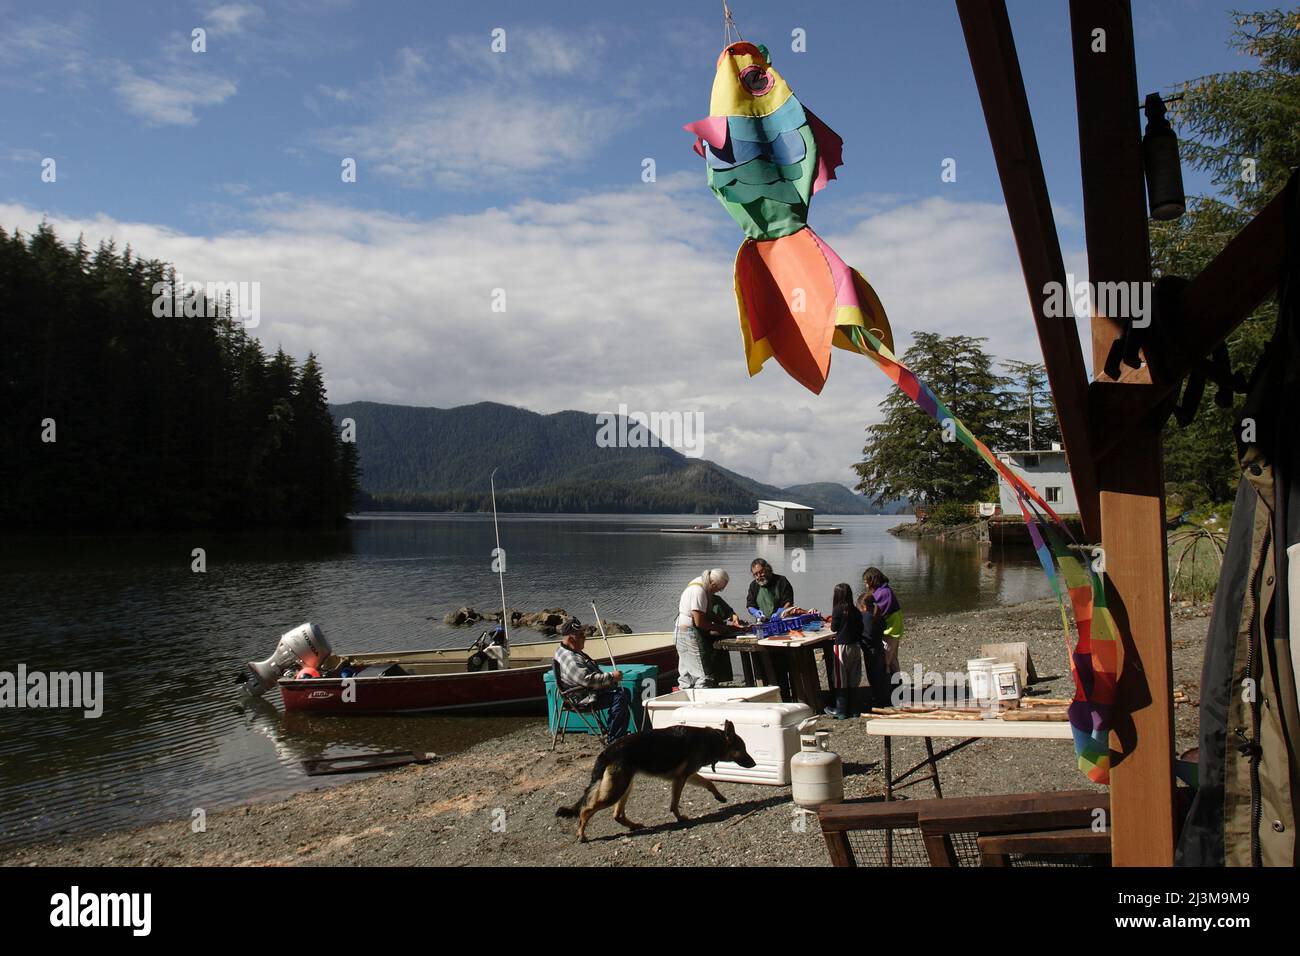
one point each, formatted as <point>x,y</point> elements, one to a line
<point>906,455</point>
<point>1243,128</point>
<point>1030,414</point>
<point>117,409</point>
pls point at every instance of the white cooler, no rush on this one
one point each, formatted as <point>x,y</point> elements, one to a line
<point>716,696</point>
<point>770,730</point>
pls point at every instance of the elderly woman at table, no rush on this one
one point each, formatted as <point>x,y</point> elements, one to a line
<point>694,626</point>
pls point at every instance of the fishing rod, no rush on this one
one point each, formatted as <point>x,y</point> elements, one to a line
<point>501,565</point>
<point>601,625</point>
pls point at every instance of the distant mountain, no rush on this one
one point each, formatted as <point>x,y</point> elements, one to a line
<point>830,497</point>
<point>439,459</point>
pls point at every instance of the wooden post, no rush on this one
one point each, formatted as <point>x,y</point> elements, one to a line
<point>992,51</point>
<point>1131,473</point>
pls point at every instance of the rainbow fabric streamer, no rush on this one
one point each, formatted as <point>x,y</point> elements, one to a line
<point>767,155</point>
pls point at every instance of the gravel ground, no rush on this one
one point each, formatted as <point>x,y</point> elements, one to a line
<point>494,804</point>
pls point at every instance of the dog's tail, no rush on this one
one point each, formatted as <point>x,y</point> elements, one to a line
<point>597,772</point>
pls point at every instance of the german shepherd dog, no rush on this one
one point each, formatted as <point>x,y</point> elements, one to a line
<point>673,753</point>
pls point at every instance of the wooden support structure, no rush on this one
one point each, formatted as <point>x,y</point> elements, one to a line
<point>1130,475</point>
<point>1112,427</point>
<point>1011,130</point>
<point>1231,287</point>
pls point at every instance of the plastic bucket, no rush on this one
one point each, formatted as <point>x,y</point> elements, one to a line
<point>980,671</point>
<point>1006,681</point>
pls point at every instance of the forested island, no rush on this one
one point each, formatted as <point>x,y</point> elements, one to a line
<point>115,417</point>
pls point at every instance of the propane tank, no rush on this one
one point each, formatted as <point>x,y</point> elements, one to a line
<point>816,773</point>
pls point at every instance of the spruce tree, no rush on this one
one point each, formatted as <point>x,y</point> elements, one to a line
<point>907,456</point>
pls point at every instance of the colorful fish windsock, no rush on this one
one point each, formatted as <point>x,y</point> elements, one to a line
<point>767,156</point>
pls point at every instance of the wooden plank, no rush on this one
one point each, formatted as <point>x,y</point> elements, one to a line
<point>867,815</point>
<point>1242,275</point>
<point>1072,840</point>
<point>1133,541</point>
<point>1131,475</point>
<point>837,846</point>
<point>363,763</point>
<point>939,848</point>
<point>1110,154</point>
<point>1016,652</point>
<point>928,727</point>
<point>1012,812</point>
<point>994,63</point>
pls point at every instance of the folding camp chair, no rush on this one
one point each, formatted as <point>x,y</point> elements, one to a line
<point>566,702</point>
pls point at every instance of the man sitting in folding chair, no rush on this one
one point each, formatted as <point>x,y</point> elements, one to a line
<point>582,684</point>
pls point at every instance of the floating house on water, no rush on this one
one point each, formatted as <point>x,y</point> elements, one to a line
<point>772,517</point>
<point>783,516</point>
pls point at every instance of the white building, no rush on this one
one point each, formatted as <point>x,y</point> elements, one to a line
<point>785,515</point>
<point>1047,472</point>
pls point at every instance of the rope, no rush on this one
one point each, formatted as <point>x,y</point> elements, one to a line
<point>730,32</point>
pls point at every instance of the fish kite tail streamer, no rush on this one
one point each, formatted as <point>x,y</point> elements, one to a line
<point>796,298</point>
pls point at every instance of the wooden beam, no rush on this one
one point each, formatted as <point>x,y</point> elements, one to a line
<point>1131,474</point>
<point>1241,276</point>
<point>1110,152</point>
<point>1230,288</point>
<point>1001,88</point>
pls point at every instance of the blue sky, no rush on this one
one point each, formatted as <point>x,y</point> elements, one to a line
<point>522,170</point>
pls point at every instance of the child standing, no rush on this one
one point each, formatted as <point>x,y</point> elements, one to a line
<point>844,658</point>
<point>889,612</point>
<point>873,652</point>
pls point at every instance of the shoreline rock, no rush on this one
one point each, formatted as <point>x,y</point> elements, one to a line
<point>547,620</point>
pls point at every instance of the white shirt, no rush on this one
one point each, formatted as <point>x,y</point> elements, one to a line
<point>694,598</point>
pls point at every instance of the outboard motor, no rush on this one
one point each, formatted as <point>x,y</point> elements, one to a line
<point>304,646</point>
<point>491,651</point>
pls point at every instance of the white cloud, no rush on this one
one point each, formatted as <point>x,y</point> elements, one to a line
<point>26,156</point>
<point>535,51</point>
<point>172,97</point>
<point>228,18</point>
<point>475,138</point>
<point>429,120</point>
<point>38,49</point>
<point>622,296</point>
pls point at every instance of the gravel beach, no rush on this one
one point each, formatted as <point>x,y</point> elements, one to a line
<point>494,804</point>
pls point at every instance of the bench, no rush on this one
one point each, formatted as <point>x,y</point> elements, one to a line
<point>947,832</point>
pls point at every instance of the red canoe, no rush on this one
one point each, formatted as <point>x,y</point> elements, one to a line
<point>438,680</point>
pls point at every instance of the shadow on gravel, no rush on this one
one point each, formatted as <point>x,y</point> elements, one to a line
<point>853,769</point>
<point>717,816</point>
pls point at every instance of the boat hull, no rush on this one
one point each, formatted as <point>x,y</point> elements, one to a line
<point>519,687</point>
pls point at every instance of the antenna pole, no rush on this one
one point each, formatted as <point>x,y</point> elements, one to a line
<point>501,566</point>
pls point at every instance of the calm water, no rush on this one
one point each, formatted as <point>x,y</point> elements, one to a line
<point>174,736</point>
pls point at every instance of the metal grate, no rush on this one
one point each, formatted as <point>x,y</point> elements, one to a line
<point>966,848</point>
<point>905,846</point>
<point>901,847</point>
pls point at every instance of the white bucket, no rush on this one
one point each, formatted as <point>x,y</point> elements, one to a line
<point>1006,681</point>
<point>980,671</point>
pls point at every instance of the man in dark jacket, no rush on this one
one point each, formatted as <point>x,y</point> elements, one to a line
<point>769,591</point>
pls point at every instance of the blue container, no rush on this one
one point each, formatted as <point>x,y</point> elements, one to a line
<point>799,622</point>
<point>639,679</point>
